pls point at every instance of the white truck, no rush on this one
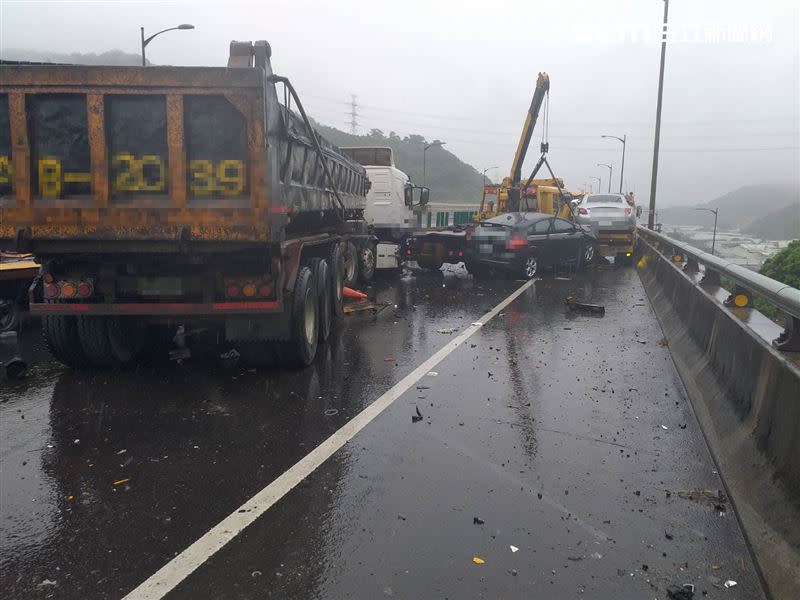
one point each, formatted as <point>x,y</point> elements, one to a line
<point>390,213</point>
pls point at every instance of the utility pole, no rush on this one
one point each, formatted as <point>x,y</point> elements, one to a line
<point>654,179</point>
<point>353,114</point>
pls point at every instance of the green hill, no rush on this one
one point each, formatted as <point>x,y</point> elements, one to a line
<point>450,179</point>
<point>769,211</point>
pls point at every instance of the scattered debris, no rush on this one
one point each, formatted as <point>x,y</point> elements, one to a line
<point>229,359</point>
<point>668,535</point>
<point>255,574</point>
<point>575,558</point>
<point>47,582</point>
<point>513,572</point>
<point>121,481</point>
<point>665,428</point>
<point>717,499</point>
<point>16,368</point>
<point>730,583</point>
<point>595,309</point>
<point>123,451</point>
<point>447,330</point>
<point>478,560</point>
<point>389,358</point>
<point>597,555</point>
<point>401,517</point>
<point>417,417</point>
<point>514,548</point>
<point>684,592</point>
<point>364,305</point>
<point>331,412</point>
<point>477,521</point>
<point>432,373</point>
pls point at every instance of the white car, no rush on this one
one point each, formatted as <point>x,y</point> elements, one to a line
<point>606,213</point>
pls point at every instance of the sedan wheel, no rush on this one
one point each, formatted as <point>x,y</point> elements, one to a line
<point>531,266</point>
<point>588,254</point>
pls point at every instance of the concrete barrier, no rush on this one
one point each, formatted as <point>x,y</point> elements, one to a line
<point>747,398</point>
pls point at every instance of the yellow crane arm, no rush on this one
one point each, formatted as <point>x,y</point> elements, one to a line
<point>542,87</point>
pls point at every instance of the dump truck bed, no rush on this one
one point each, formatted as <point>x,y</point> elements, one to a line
<point>158,154</point>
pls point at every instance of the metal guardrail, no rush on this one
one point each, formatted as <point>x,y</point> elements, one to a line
<point>747,284</point>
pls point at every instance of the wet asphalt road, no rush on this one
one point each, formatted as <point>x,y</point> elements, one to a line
<point>569,436</point>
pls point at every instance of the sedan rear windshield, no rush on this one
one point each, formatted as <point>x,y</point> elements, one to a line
<point>603,198</point>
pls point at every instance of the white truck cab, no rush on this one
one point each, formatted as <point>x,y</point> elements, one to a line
<point>390,200</point>
<point>390,211</point>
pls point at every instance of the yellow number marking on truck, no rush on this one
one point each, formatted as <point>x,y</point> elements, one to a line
<point>130,173</point>
<point>226,178</point>
<point>50,177</point>
<point>6,171</point>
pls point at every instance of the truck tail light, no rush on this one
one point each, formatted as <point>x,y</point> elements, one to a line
<point>68,289</point>
<point>583,211</point>
<point>517,242</point>
<point>85,289</point>
<point>252,287</point>
<point>50,291</point>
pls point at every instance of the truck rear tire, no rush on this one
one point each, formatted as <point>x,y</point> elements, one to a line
<point>322,277</point>
<point>367,258</point>
<point>9,315</point>
<point>336,268</point>
<point>62,340</point>
<point>351,264</point>
<point>93,333</point>
<point>127,337</point>
<point>302,347</point>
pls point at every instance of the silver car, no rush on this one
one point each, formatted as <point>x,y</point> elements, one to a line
<point>606,213</point>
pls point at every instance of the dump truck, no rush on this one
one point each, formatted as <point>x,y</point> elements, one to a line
<point>158,197</point>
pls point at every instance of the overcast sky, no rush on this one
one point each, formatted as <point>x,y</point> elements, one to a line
<point>464,72</point>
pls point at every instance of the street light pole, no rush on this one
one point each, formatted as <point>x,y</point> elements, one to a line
<point>714,236</point>
<point>654,177</point>
<point>599,184</point>
<point>483,192</point>
<point>610,173</point>
<point>424,150</point>
<point>150,39</point>
<point>622,139</point>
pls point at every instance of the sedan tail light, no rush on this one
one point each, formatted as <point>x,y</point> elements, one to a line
<point>628,211</point>
<point>583,211</point>
<point>516,242</point>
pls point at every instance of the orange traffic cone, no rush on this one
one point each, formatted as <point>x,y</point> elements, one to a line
<point>351,293</point>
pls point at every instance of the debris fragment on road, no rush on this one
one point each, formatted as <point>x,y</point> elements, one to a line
<point>417,417</point>
<point>683,592</point>
<point>595,309</point>
<point>730,583</point>
<point>514,548</point>
<point>478,521</point>
<point>478,560</point>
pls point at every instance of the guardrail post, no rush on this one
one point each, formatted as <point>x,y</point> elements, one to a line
<point>710,277</point>
<point>739,297</point>
<point>789,340</point>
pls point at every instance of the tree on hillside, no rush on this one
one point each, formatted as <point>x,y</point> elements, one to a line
<point>785,265</point>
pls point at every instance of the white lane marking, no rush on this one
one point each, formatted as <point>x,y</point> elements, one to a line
<point>184,564</point>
